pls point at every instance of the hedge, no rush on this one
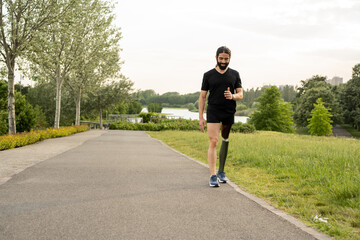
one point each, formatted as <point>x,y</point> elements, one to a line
<point>160,124</point>
<point>26,138</point>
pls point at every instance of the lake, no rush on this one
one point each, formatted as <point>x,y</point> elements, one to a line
<point>186,114</point>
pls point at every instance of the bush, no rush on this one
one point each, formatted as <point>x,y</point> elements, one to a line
<point>3,122</point>
<point>23,139</point>
<point>162,123</point>
<point>148,116</point>
<point>243,128</point>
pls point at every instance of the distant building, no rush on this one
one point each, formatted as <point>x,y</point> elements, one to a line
<point>335,81</point>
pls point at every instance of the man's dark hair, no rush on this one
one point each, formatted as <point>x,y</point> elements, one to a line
<point>223,49</point>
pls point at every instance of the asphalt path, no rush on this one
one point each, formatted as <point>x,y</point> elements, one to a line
<point>126,185</point>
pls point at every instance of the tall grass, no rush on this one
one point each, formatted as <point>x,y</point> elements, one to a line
<point>306,176</point>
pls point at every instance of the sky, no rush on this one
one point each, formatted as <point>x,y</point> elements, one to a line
<point>169,45</point>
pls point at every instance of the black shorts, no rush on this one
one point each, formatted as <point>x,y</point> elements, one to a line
<point>217,115</point>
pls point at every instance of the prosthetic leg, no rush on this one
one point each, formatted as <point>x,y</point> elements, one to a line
<point>223,154</point>
<point>225,131</point>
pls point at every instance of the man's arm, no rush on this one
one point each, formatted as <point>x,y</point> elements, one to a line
<point>202,102</point>
<point>238,95</point>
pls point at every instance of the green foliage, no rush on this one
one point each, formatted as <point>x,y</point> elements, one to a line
<point>24,112</point>
<point>320,121</point>
<point>127,108</point>
<point>3,122</point>
<point>191,107</point>
<point>154,107</point>
<point>350,99</point>
<point>43,94</point>
<point>287,92</point>
<point>40,119</point>
<point>23,139</point>
<point>25,116</point>
<point>311,90</point>
<point>161,123</point>
<point>134,108</point>
<point>242,128</point>
<point>169,99</point>
<point>146,116</point>
<point>273,114</point>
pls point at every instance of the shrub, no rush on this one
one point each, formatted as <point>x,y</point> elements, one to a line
<point>243,128</point>
<point>148,116</point>
<point>161,123</point>
<point>23,139</point>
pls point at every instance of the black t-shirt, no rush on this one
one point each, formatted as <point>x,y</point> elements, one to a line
<point>216,83</point>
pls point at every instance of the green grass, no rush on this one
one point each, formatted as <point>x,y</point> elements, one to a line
<point>302,175</point>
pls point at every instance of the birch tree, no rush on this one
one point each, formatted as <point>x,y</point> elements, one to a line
<point>99,59</point>
<point>57,48</point>
<point>20,21</point>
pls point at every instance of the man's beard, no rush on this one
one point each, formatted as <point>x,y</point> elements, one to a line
<point>222,67</point>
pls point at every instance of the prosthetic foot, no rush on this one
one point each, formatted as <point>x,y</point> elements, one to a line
<point>222,158</point>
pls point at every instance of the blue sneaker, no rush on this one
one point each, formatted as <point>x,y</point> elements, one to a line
<point>222,178</point>
<point>214,181</point>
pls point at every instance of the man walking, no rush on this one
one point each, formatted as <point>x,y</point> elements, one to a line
<point>224,85</point>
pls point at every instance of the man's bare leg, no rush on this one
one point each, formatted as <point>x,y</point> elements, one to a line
<point>213,130</point>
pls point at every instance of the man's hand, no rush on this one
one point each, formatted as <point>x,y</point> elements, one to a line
<point>202,124</point>
<point>228,94</point>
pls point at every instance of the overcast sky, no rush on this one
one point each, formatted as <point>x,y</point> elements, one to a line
<point>168,45</point>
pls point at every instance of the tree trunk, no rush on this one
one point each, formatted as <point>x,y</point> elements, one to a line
<point>101,125</point>
<point>11,96</point>
<point>77,103</point>
<point>59,82</point>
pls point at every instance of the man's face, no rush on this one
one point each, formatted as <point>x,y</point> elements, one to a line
<point>223,60</point>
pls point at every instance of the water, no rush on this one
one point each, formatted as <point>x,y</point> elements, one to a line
<point>186,114</point>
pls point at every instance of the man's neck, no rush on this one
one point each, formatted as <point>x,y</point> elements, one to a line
<point>221,71</point>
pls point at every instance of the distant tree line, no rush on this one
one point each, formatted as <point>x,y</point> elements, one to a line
<point>316,106</point>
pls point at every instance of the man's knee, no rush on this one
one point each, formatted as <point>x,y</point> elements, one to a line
<point>214,142</point>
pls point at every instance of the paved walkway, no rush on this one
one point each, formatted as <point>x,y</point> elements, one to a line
<point>339,131</point>
<point>126,185</point>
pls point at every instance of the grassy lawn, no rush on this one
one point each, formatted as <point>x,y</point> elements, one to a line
<point>305,176</point>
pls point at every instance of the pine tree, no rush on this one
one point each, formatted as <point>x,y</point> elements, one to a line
<point>320,120</point>
<point>273,114</point>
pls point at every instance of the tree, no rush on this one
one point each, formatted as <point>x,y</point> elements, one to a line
<point>106,96</point>
<point>43,94</point>
<point>57,47</point>
<point>288,93</point>
<point>20,21</point>
<point>154,107</point>
<point>98,57</point>
<point>24,114</point>
<point>311,90</point>
<point>134,108</point>
<point>320,120</point>
<point>273,114</point>
<point>350,99</point>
